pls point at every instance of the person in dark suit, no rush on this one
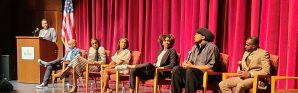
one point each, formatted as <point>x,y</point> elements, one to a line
<point>71,54</point>
<point>47,33</point>
<point>204,56</point>
<point>167,58</point>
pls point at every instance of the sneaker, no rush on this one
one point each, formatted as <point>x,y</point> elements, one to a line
<point>42,85</point>
<point>39,62</point>
<point>121,67</point>
<point>45,64</point>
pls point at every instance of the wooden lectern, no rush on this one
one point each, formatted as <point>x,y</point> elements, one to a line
<point>29,50</point>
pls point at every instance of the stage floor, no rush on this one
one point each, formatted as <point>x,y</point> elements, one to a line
<point>30,88</point>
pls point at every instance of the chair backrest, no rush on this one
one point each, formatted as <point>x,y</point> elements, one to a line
<point>135,57</point>
<point>107,52</point>
<point>178,59</point>
<point>224,59</point>
<point>83,53</point>
<point>274,60</point>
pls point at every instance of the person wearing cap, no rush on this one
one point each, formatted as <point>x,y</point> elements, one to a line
<point>204,56</point>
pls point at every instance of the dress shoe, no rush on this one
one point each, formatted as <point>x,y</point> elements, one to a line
<point>41,86</point>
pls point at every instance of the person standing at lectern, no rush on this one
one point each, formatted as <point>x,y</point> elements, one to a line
<point>47,33</point>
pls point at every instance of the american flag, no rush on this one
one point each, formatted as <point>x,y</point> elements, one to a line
<point>67,25</point>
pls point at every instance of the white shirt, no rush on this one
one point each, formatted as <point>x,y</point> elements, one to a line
<point>123,55</point>
<point>159,58</point>
<point>101,54</point>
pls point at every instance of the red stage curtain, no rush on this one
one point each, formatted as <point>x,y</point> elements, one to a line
<point>232,21</point>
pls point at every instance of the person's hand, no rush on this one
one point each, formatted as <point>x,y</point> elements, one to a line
<point>62,60</point>
<point>187,64</point>
<point>111,66</point>
<point>184,63</point>
<point>239,73</point>
<point>244,74</point>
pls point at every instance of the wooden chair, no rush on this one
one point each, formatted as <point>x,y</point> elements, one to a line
<point>273,83</point>
<point>275,78</point>
<point>92,74</point>
<point>155,81</point>
<point>83,53</point>
<point>211,78</point>
<point>135,59</point>
<point>273,71</point>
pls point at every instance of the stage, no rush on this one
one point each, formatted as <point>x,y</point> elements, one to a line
<point>30,88</point>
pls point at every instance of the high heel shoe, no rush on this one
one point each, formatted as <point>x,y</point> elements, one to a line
<point>74,89</point>
<point>109,90</point>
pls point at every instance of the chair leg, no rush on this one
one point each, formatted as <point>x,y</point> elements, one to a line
<point>53,79</point>
<point>95,82</point>
<point>273,79</point>
<point>158,89</point>
<point>86,83</point>
<point>53,82</point>
<point>155,82</point>
<point>101,83</point>
<point>117,86</point>
<point>154,88</point>
<point>117,81</point>
<point>137,85</point>
<point>87,78</point>
<point>205,80</point>
<point>63,82</point>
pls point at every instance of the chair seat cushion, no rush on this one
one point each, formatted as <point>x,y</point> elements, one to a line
<point>121,77</point>
<point>150,82</point>
<point>92,74</point>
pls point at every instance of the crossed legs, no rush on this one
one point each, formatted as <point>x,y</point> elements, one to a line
<point>240,84</point>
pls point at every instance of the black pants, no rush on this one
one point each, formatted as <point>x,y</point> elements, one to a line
<point>189,78</point>
<point>53,65</point>
<point>144,72</point>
